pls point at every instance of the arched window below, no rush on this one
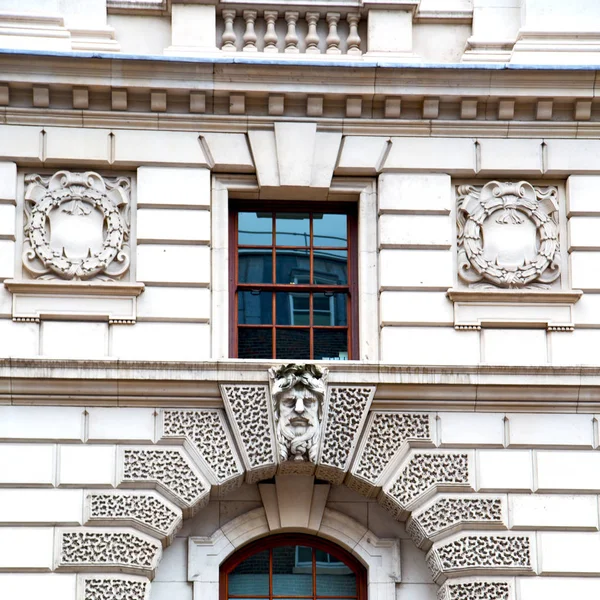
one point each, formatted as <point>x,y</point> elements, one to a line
<point>292,567</point>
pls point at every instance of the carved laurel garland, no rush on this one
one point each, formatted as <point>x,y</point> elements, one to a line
<point>507,204</point>
<point>80,196</point>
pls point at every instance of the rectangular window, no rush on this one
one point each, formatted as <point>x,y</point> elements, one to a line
<point>293,280</point>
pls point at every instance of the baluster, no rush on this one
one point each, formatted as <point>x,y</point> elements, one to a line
<point>250,35</point>
<point>333,39</point>
<point>291,38</point>
<point>353,37</point>
<point>312,37</point>
<point>270,38</point>
<point>229,38</point>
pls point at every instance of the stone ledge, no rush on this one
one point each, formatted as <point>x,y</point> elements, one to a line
<point>113,301</point>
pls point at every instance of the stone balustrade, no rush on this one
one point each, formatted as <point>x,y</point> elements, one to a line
<point>311,32</point>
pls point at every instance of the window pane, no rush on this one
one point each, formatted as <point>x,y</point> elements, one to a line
<point>292,229</point>
<point>255,266</point>
<point>330,309</point>
<point>330,230</point>
<point>254,342</point>
<point>288,579</point>
<point>293,308</point>
<point>304,554</point>
<point>334,578</point>
<point>335,581</point>
<point>331,344</point>
<point>292,266</point>
<point>255,228</point>
<point>255,308</point>
<point>293,343</point>
<point>251,576</point>
<point>330,267</point>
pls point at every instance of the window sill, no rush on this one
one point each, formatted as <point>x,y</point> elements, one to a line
<point>114,301</point>
<point>553,310</point>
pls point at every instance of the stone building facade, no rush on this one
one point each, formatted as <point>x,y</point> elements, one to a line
<point>326,269</point>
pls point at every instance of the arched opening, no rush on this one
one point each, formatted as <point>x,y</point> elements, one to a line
<point>292,567</point>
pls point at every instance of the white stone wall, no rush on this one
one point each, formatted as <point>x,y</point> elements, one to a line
<point>60,468</point>
<point>181,315</point>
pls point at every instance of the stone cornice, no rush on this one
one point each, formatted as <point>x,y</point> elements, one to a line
<point>392,92</point>
<point>138,383</point>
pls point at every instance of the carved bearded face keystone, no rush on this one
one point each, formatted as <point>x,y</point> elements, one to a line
<point>298,392</point>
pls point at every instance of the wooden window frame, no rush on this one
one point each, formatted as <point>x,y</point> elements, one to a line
<point>293,539</point>
<point>349,209</point>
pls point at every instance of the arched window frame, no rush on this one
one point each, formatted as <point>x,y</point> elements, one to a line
<point>293,539</point>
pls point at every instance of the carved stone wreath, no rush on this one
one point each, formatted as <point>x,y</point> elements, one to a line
<point>88,210</point>
<point>523,221</point>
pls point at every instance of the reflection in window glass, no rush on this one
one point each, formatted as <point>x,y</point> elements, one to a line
<point>330,230</point>
<point>292,266</point>
<point>255,308</point>
<point>292,229</point>
<point>288,579</point>
<point>254,342</point>
<point>331,344</point>
<point>250,577</point>
<point>291,269</point>
<point>293,342</point>
<point>295,571</point>
<point>255,266</point>
<point>255,229</point>
<point>330,267</point>
<point>293,308</point>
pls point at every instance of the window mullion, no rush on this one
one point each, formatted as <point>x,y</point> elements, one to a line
<point>314,573</point>
<point>270,573</point>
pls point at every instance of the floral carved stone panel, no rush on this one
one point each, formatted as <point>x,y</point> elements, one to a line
<point>76,226</point>
<point>508,235</point>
